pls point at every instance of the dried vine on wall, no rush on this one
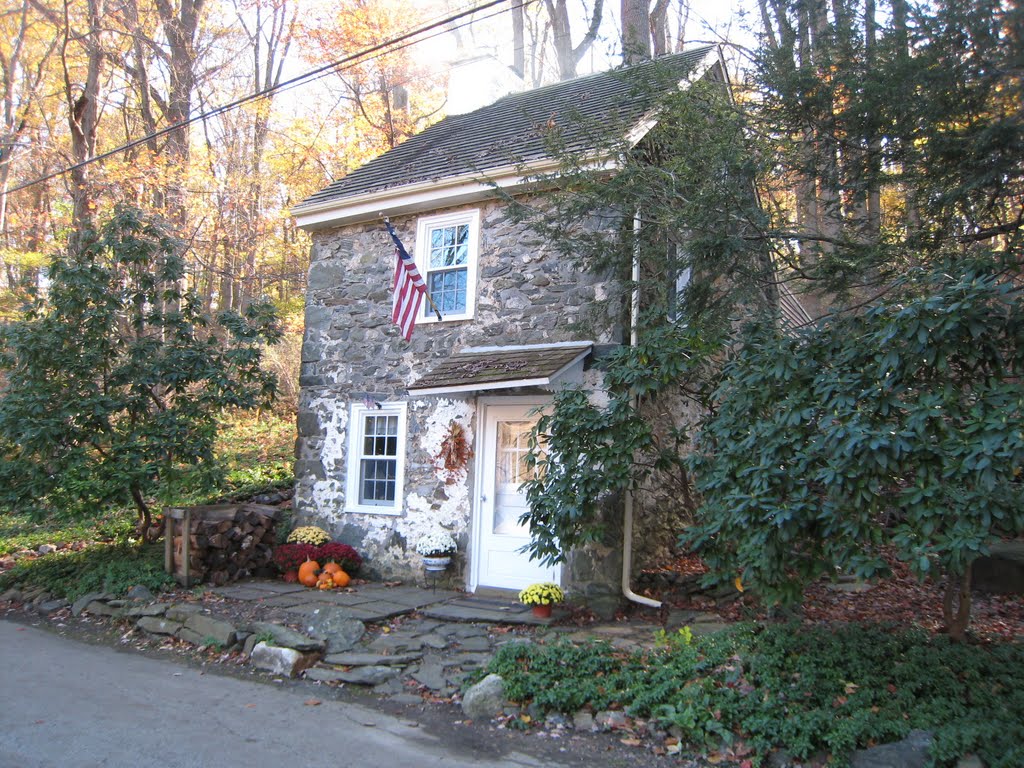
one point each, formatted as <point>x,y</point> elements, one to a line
<point>453,456</point>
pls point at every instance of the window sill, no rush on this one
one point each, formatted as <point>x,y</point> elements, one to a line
<point>430,317</point>
<point>386,511</point>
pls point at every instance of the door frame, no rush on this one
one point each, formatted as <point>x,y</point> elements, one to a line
<point>484,404</point>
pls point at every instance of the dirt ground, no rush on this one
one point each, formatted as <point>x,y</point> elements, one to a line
<point>900,600</point>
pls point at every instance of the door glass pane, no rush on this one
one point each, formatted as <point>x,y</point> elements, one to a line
<point>510,472</point>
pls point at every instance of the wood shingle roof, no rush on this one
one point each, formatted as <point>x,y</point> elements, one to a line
<point>516,129</point>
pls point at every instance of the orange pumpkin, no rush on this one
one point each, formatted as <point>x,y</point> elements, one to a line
<point>340,578</point>
<point>308,573</point>
<point>333,568</point>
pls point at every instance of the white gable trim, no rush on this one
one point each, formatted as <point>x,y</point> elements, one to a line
<point>425,195</point>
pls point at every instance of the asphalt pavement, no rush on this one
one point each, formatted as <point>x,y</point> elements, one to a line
<point>74,705</point>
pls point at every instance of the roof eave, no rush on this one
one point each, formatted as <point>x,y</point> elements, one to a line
<point>648,121</point>
<point>426,195</point>
<point>550,382</point>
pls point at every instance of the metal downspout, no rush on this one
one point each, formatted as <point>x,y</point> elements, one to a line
<point>627,517</point>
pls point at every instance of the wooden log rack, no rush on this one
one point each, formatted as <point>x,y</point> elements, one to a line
<point>219,542</point>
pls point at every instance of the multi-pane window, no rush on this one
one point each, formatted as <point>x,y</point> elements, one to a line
<point>376,458</point>
<point>446,253</point>
<point>679,274</point>
<point>448,267</point>
<point>378,463</point>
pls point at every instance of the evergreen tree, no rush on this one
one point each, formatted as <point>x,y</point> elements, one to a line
<point>114,382</point>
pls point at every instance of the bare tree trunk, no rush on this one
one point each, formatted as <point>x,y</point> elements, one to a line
<point>566,55</point>
<point>873,166</point>
<point>830,213</point>
<point>807,200</point>
<point>659,28</point>
<point>21,73</point>
<point>270,39</point>
<point>900,17</point>
<point>145,524</point>
<point>180,26</point>
<point>956,604</point>
<point>83,101</point>
<point>636,31</point>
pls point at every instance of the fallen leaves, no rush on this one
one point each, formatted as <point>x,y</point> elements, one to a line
<point>898,599</point>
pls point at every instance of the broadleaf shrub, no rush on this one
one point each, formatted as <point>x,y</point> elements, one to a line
<point>900,428</point>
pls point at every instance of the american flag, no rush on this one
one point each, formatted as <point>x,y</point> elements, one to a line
<point>409,288</point>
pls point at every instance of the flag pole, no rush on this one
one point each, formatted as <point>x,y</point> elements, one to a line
<point>426,293</point>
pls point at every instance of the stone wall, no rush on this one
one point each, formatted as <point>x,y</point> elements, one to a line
<point>526,294</point>
<point>661,507</point>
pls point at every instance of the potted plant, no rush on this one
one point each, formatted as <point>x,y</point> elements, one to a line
<point>541,597</point>
<point>437,549</point>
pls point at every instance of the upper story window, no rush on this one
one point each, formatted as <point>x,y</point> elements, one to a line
<point>447,250</point>
<point>678,279</point>
<point>376,458</point>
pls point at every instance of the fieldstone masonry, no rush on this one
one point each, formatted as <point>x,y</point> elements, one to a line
<point>525,294</point>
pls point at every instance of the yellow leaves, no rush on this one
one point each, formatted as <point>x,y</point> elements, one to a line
<point>738,583</point>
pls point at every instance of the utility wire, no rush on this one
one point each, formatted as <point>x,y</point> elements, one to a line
<point>394,44</point>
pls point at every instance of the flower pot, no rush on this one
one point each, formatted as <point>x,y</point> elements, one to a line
<point>542,611</point>
<point>438,563</point>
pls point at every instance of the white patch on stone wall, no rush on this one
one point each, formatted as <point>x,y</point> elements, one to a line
<point>422,514</point>
<point>328,495</point>
<point>597,394</point>
<point>435,425</point>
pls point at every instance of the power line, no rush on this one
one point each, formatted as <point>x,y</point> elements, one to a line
<point>393,44</point>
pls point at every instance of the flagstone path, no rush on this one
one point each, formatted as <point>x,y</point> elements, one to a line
<point>439,639</point>
<point>398,641</point>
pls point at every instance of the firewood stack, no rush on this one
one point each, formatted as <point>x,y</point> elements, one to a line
<point>226,542</point>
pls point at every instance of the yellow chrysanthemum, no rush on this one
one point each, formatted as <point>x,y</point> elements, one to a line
<point>309,534</point>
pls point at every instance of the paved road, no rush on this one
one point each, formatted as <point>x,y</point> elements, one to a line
<point>73,705</point>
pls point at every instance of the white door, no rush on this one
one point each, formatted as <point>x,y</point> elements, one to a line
<point>499,561</point>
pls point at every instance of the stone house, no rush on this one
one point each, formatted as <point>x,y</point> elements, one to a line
<point>381,417</point>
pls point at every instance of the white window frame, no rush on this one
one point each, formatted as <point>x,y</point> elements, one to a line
<point>357,423</point>
<point>676,312</point>
<point>679,280</point>
<point>423,227</point>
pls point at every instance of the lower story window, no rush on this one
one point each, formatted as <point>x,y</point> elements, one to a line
<point>379,460</point>
<point>376,458</point>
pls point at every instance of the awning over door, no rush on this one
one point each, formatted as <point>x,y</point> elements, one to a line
<point>482,369</point>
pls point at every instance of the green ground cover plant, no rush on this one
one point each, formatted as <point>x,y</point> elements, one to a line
<point>255,453</point>
<point>113,568</point>
<point>806,690</point>
<point>25,531</point>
